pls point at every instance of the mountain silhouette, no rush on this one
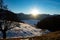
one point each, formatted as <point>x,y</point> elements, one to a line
<point>8,15</point>
<point>51,23</point>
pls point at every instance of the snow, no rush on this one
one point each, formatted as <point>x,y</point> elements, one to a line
<point>23,31</point>
<point>31,22</point>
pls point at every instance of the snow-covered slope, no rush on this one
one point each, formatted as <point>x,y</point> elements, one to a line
<point>24,30</point>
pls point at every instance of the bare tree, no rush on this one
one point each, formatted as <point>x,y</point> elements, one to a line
<point>2,6</point>
<point>6,21</point>
<point>7,25</point>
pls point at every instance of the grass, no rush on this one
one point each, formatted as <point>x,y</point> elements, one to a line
<point>49,36</point>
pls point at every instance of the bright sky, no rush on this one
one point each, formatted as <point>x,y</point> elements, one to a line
<point>25,6</point>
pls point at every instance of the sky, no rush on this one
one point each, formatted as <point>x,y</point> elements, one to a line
<point>25,6</point>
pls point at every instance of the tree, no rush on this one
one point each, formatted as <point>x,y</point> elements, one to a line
<point>6,20</point>
<point>2,6</point>
<point>51,23</point>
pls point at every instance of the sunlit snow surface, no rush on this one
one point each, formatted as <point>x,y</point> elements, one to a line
<point>31,22</point>
<point>23,31</point>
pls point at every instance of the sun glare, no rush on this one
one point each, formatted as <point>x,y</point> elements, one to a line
<point>34,11</point>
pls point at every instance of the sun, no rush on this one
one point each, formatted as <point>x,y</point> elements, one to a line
<point>34,11</point>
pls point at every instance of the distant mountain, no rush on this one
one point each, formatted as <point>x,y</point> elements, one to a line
<point>8,15</point>
<point>23,16</point>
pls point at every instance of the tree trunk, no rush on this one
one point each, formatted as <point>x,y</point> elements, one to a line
<point>4,34</point>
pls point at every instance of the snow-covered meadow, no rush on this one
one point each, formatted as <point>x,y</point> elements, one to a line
<point>24,30</point>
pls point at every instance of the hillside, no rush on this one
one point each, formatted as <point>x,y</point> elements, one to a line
<point>23,30</point>
<point>51,36</point>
